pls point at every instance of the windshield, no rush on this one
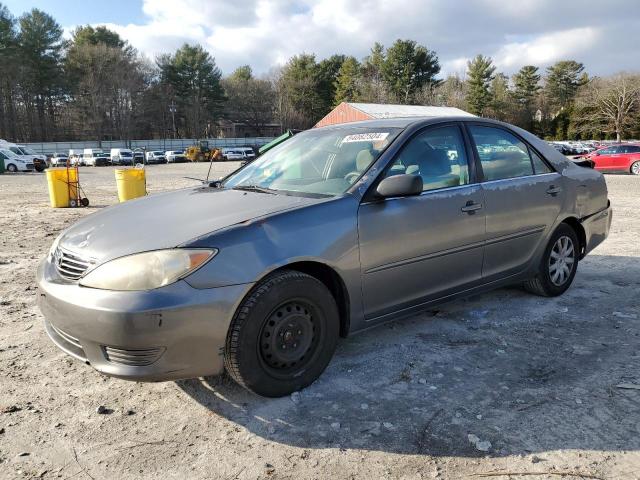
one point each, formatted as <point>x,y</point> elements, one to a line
<point>126,154</point>
<point>325,162</point>
<point>28,151</point>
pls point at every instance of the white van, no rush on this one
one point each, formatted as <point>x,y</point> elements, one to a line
<point>75,157</point>
<point>249,153</point>
<point>22,151</point>
<point>95,157</point>
<point>121,156</point>
<point>156,156</point>
<point>13,162</point>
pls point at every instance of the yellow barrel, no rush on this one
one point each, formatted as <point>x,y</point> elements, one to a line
<point>131,183</point>
<point>63,185</point>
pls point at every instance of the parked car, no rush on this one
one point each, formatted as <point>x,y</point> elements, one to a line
<point>59,159</point>
<point>138,157</point>
<point>76,157</point>
<point>156,157</point>
<point>38,161</point>
<point>334,231</point>
<point>234,154</point>
<point>175,156</point>
<point>616,158</point>
<point>249,153</point>
<point>95,158</point>
<point>15,163</point>
<point>121,156</point>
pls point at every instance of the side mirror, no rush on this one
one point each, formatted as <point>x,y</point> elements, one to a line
<point>400,186</point>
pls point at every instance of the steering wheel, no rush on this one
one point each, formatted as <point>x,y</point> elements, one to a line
<point>352,177</point>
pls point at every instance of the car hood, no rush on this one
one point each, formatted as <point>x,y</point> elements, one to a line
<point>168,220</point>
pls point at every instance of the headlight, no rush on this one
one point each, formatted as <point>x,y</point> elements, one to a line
<point>149,270</point>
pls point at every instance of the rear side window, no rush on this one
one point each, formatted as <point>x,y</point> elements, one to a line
<point>632,149</point>
<point>437,155</point>
<point>501,154</point>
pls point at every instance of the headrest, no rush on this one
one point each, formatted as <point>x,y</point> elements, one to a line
<point>435,162</point>
<point>363,160</point>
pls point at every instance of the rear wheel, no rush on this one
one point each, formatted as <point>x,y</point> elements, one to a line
<point>635,168</point>
<point>12,168</point>
<point>558,265</point>
<point>283,334</point>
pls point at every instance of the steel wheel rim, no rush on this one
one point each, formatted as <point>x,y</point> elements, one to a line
<point>289,337</point>
<point>635,168</point>
<point>561,260</point>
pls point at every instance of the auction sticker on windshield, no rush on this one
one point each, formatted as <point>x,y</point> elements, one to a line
<point>366,137</point>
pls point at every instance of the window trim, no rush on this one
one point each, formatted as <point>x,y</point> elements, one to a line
<point>474,148</point>
<point>369,196</point>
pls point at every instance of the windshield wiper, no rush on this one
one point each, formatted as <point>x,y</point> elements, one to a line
<point>254,188</point>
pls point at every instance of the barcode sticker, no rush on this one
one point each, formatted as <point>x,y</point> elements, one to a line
<point>365,137</point>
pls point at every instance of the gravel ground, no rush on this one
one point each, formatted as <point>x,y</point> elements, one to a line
<point>502,383</point>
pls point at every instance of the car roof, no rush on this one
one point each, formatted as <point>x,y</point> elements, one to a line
<point>405,122</point>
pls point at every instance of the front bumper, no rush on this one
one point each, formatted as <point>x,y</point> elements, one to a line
<point>169,333</point>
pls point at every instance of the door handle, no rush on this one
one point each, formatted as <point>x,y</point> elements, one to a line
<point>553,190</point>
<point>471,207</point>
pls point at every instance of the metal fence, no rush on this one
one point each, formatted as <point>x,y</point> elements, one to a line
<point>156,144</point>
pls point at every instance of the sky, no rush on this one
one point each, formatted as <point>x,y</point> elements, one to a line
<point>602,34</point>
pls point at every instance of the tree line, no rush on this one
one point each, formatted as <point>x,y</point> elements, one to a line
<point>95,86</point>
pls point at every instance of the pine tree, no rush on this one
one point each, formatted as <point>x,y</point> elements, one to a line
<point>408,67</point>
<point>479,76</point>
<point>347,87</point>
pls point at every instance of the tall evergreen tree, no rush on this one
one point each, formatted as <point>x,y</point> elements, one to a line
<point>40,46</point>
<point>8,80</point>
<point>480,72</point>
<point>194,79</point>
<point>347,85</point>
<point>563,80</point>
<point>526,85</point>
<point>408,67</point>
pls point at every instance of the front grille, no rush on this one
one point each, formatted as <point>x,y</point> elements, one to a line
<point>134,358</point>
<point>29,165</point>
<point>70,266</point>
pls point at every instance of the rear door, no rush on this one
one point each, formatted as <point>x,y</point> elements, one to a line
<point>604,158</point>
<point>415,249</point>
<point>522,194</point>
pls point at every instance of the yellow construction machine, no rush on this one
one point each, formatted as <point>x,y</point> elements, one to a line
<point>202,153</point>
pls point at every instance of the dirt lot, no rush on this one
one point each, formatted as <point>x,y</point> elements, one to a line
<point>500,383</point>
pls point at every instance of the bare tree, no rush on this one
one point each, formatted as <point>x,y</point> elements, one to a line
<point>609,104</point>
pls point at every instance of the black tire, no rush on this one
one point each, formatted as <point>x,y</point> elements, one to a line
<point>12,168</point>
<point>550,281</point>
<point>288,308</point>
<point>635,168</point>
<point>84,202</point>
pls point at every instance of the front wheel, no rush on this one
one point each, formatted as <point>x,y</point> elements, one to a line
<point>283,335</point>
<point>635,168</point>
<point>558,265</point>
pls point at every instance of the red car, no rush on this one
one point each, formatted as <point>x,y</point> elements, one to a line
<point>617,158</point>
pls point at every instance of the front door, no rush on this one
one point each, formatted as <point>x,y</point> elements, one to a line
<point>523,197</point>
<point>416,249</point>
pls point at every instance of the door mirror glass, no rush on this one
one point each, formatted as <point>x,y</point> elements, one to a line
<point>403,185</point>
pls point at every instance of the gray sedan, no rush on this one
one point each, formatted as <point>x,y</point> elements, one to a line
<point>334,231</point>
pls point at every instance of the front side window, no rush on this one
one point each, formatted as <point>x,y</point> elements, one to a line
<point>501,154</point>
<point>539,166</point>
<point>438,155</point>
<point>323,162</point>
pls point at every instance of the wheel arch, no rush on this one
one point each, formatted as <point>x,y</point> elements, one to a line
<point>574,223</point>
<point>332,280</point>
